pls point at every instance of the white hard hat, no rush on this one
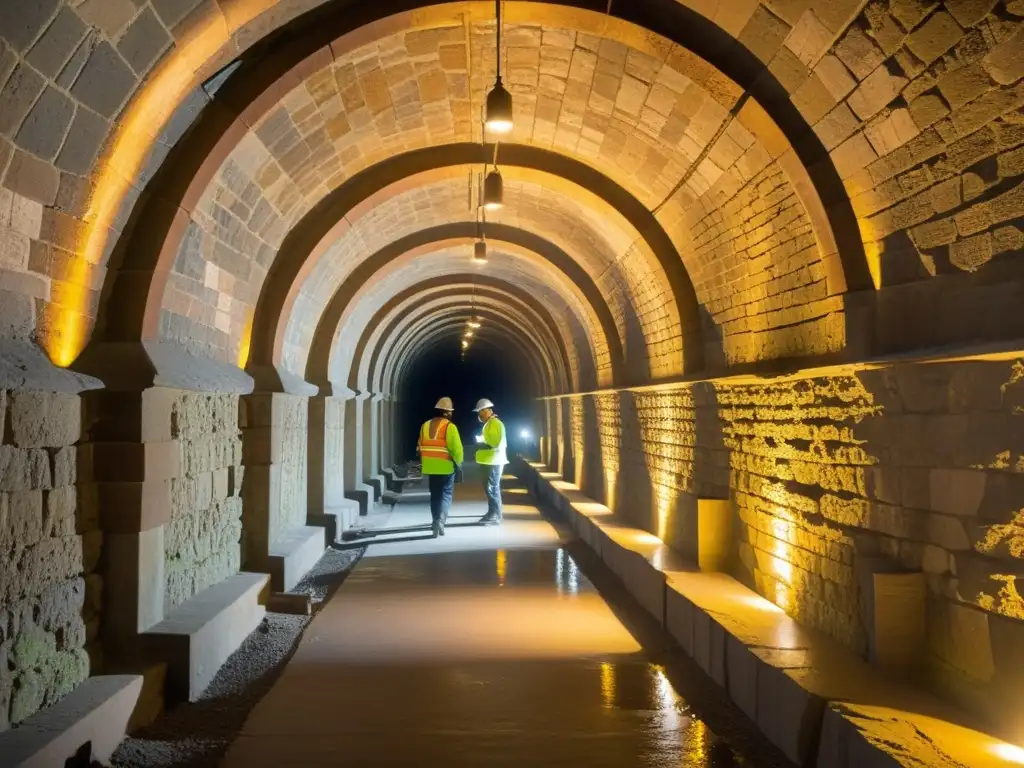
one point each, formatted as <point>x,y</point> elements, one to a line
<point>445,404</point>
<point>481,404</point>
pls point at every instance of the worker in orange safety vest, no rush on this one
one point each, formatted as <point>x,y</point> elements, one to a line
<point>441,454</point>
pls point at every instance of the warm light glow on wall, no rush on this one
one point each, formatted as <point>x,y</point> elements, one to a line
<point>782,568</point>
<point>143,120</point>
<point>664,494</point>
<point>245,342</point>
<point>1009,752</point>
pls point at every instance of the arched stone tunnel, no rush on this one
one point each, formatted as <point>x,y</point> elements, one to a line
<point>754,272</point>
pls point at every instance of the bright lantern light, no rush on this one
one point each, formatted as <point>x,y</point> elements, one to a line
<point>1009,752</point>
<point>479,438</point>
<point>525,434</point>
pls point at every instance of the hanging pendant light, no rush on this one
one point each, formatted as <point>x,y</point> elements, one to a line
<point>499,100</point>
<point>480,252</point>
<point>494,191</point>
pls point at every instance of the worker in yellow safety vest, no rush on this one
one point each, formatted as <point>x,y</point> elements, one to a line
<point>441,454</point>
<point>492,458</point>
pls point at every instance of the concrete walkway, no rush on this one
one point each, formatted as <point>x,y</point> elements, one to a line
<point>484,647</point>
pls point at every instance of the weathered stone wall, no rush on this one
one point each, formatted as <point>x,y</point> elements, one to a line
<point>202,538</point>
<point>758,272</point>
<point>275,451</point>
<point>919,464</point>
<point>50,593</point>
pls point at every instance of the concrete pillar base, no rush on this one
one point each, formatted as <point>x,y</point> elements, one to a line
<point>334,520</point>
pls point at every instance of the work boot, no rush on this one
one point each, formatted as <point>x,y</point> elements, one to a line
<point>436,528</point>
<point>490,519</point>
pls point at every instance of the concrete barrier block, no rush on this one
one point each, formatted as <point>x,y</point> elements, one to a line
<point>94,716</point>
<point>196,637</point>
<point>647,585</point>
<point>293,555</point>
<point>742,668</point>
<point>702,640</point>
<point>679,618</point>
<point>788,713</point>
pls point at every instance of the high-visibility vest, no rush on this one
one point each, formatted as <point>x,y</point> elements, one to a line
<point>435,446</point>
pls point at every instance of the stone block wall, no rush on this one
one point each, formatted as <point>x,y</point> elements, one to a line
<point>921,465</point>
<point>275,450</point>
<point>758,272</point>
<point>50,592</point>
<point>202,538</point>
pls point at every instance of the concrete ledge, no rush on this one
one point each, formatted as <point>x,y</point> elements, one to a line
<point>93,717</point>
<point>378,483</point>
<point>336,519</point>
<point>197,637</point>
<point>293,555</point>
<point>817,702</point>
<point>364,497</point>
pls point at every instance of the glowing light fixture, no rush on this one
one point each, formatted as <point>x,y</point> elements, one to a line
<point>1009,752</point>
<point>494,191</point>
<point>480,252</point>
<point>498,117</point>
<point>525,434</point>
<point>473,324</point>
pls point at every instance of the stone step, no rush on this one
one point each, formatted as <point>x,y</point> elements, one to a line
<point>820,704</point>
<point>293,555</point>
<point>91,720</point>
<point>197,637</point>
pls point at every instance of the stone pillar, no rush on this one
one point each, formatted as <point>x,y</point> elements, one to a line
<point>166,469</point>
<point>328,506</point>
<point>355,488</point>
<point>134,457</point>
<point>387,436</point>
<point>277,538</point>
<point>372,476</point>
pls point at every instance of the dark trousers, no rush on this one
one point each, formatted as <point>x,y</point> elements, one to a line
<point>492,486</point>
<point>441,489</point>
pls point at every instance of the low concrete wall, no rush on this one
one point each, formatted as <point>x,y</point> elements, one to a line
<point>918,464</point>
<point>813,699</point>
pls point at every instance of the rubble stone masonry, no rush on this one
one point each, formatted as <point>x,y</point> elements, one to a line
<point>50,592</point>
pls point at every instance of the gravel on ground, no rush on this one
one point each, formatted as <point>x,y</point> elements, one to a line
<point>198,734</point>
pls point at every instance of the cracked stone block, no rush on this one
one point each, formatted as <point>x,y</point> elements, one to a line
<point>52,51</point>
<point>21,23</point>
<point>46,125</point>
<point>17,97</point>
<point>105,81</point>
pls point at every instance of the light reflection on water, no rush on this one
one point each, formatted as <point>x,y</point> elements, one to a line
<point>567,573</point>
<point>638,695</point>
